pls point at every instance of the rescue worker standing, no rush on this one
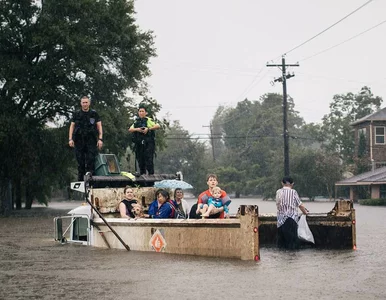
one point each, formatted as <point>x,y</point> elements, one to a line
<point>143,131</point>
<point>86,135</point>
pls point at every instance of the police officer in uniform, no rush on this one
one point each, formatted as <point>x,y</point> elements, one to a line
<point>143,131</point>
<point>86,135</point>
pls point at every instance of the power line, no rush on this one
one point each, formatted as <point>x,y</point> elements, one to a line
<point>333,78</point>
<point>341,43</point>
<point>250,86</point>
<point>223,137</point>
<point>240,137</point>
<point>336,23</point>
<point>252,83</point>
<point>214,69</point>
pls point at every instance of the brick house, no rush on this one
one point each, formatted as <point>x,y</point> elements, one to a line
<point>370,140</point>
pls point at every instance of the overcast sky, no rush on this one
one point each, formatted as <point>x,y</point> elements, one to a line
<point>214,52</point>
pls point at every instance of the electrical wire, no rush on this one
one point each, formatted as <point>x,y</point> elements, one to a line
<point>333,78</point>
<point>220,137</point>
<point>341,43</point>
<point>323,31</point>
<point>247,90</point>
<point>336,23</point>
<point>252,83</point>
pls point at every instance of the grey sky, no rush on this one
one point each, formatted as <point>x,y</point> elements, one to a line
<point>214,52</point>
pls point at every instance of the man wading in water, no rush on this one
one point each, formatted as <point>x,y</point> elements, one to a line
<point>288,202</point>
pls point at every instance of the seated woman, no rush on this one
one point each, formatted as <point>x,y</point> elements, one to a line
<point>181,204</point>
<point>162,207</point>
<point>128,204</point>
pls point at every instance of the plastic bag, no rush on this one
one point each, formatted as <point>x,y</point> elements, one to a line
<point>304,232</point>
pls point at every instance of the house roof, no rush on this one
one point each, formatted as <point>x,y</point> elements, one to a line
<point>380,115</point>
<point>378,176</point>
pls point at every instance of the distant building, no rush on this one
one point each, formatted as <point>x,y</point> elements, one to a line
<point>373,130</point>
<point>370,143</point>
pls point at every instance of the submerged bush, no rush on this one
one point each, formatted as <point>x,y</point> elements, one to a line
<point>374,202</point>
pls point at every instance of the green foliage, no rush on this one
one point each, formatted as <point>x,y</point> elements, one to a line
<point>344,110</point>
<point>361,161</point>
<point>36,162</point>
<point>47,169</point>
<point>115,129</point>
<point>231,178</point>
<point>50,56</point>
<point>67,49</point>
<point>216,129</point>
<point>373,202</point>
<point>253,141</point>
<point>185,154</point>
<point>315,172</point>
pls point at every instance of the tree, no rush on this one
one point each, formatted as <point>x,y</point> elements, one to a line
<point>316,172</point>
<point>53,55</point>
<point>52,52</point>
<point>361,160</point>
<point>345,109</point>
<point>186,154</point>
<point>253,138</point>
<point>216,131</point>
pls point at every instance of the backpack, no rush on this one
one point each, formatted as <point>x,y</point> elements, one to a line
<point>176,214</point>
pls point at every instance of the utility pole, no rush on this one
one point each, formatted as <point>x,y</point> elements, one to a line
<point>283,79</point>
<point>211,139</point>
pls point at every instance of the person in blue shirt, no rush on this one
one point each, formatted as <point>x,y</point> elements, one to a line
<point>162,207</point>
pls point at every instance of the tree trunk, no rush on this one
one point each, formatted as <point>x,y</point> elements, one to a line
<point>17,193</point>
<point>28,197</point>
<point>6,198</point>
<point>237,194</point>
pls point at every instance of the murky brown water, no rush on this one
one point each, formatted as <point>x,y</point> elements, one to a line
<point>33,266</point>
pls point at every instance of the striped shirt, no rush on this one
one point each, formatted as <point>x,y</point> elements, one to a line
<point>287,202</point>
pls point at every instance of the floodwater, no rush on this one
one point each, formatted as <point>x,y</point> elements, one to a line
<point>33,266</point>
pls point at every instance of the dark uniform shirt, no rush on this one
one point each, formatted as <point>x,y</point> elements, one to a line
<point>85,125</point>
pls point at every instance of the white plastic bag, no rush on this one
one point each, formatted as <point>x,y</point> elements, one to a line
<point>304,232</point>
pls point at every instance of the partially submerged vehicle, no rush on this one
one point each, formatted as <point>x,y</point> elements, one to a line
<point>98,223</point>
